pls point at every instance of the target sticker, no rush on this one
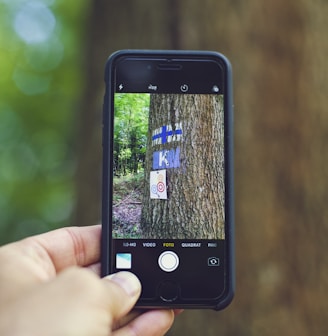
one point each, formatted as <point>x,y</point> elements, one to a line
<point>158,189</point>
<point>153,189</point>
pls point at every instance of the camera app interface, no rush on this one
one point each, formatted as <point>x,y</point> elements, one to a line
<point>168,206</point>
<point>168,166</point>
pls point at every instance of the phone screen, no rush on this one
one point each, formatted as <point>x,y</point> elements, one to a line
<point>168,171</point>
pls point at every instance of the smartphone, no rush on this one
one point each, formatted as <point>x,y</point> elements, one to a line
<point>168,176</point>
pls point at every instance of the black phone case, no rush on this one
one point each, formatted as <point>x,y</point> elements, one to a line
<point>108,108</point>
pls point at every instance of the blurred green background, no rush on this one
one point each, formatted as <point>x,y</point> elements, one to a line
<point>52,56</point>
<point>41,53</point>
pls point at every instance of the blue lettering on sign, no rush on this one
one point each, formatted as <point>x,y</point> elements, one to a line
<point>166,159</point>
<point>166,134</point>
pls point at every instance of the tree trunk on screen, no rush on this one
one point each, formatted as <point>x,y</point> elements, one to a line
<point>185,138</point>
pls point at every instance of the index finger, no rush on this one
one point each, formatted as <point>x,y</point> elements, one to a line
<point>40,258</point>
<point>70,246</point>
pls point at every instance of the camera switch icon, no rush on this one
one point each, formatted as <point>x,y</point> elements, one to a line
<point>213,261</point>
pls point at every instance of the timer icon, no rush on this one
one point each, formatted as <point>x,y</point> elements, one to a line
<point>184,88</point>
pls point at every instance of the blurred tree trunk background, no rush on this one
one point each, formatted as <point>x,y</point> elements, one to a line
<point>278,50</point>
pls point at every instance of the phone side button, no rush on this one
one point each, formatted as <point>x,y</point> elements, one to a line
<point>168,291</point>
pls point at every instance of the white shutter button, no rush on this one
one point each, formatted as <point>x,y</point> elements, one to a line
<point>168,261</point>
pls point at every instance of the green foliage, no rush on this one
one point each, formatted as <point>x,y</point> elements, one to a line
<point>130,132</point>
<point>125,185</point>
<point>39,85</point>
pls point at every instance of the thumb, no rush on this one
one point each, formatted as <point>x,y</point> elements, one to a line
<point>125,289</point>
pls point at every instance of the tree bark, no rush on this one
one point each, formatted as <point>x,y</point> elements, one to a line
<point>194,207</point>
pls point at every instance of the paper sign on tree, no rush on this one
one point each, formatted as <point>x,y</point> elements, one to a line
<point>158,188</point>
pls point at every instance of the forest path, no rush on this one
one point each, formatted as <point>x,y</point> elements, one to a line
<point>127,211</point>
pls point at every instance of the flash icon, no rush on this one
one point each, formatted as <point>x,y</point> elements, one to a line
<point>120,87</point>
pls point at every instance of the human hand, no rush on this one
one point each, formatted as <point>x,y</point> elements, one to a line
<point>48,286</point>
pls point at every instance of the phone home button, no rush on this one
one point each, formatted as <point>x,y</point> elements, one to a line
<point>168,261</point>
<point>168,291</point>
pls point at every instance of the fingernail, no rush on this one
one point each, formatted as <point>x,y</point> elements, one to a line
<point>126,280</point>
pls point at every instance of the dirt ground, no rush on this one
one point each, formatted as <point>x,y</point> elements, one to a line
<point>126,216</point>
